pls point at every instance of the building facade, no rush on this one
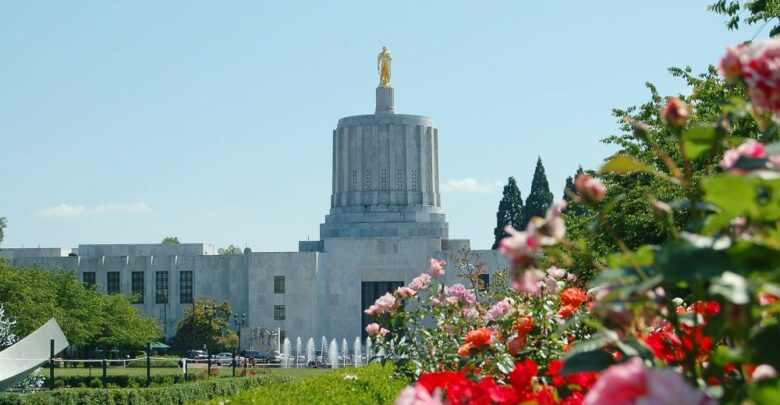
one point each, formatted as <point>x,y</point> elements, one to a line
<point>385,223</point>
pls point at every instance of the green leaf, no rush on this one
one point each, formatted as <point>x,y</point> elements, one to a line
<point>680,261</point>
<point>766,393</point>
<point>699,140</point>
<point>633,347</point>
<point>623,164</point>
<point>753,197</point>
<point>596,360</point>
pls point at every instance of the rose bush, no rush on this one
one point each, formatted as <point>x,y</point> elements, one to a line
<point>692,320</point>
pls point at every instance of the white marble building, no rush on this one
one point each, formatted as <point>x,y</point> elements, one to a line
<point>384,225</point>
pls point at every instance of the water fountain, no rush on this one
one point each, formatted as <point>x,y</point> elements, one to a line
<point>310,355</point>
<point>297,351</point>
<point>369,350</point>
<point>358,360</point>
<point>333,355</point>
<point>344,351</point>
<point>286,353</point>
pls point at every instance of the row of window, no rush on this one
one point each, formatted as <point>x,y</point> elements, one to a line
<point>161,286</point>
<point>137,285</point>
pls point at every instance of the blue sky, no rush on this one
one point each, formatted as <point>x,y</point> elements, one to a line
<point>124,122</point>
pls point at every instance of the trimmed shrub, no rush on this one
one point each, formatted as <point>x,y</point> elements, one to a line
<point>121,381</point>
<point>364,385</point>
<point>173,394</point>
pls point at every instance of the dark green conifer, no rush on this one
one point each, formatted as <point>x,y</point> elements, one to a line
<point>510,211</point>
<point>540,197</point>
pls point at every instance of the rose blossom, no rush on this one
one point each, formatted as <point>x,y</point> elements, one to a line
<point>437,267</point>
<point>730,66</point>
<point>518,247</point>
<point>528,282</point>
<point>385,303</point>
<point>675,114</point>
<point>763,372</point>
<point>758,64</point>
<point>372,329</point>
<point>501,309</point>
<point>460,292</point>
<point>556,209</point>
<point>420,282</point>
<point>591,191</point>
<point>419,395</point>
<point>383,332</point>
<point>405,292</point>
<point>556,273</point>
<point>630,383</point>
<point>749,149</point>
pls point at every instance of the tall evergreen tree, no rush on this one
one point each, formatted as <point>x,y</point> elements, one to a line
<point>540,198</point>
<point>510,211</point>
<point>573,207</point>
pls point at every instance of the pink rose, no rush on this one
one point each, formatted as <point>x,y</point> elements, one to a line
<point>384,304</point>
<point>405,292</point>
<point>556,273</point>
<point>749,149</point>
<point>373,329</point>
<point>529,282</point>
<point>730,66</point>
<point>419,395</point>
<point>420,282</point>
<point>383,332</point>
<point>763,372</point>
<point>437,267</point>
<point>591,191</point>
<point>556,209</point>
<point>758,64</point>
<point>501,309</point>
<point>630,383</point>
<point>518,247</point>
<point>675,114</point>
<point>461,293</point>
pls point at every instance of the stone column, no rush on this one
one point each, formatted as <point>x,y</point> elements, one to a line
<point>385,100</point>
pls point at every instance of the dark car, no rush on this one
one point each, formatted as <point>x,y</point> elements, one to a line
<point>256,357</point>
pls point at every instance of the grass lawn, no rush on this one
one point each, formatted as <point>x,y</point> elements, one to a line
<point>294,373</point>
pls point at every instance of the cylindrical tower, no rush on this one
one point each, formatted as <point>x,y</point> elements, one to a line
<point>385,176</point>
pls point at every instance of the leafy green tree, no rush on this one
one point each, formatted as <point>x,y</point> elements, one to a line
<point>749,12</point>
<point>540,198</point>
<point>32,296</point>
<point>3,224</point>
<point>203,323</point>
<point>170,240</point>
<point>232,250</point>
<point>510,211</point>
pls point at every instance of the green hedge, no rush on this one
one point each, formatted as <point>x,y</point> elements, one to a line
<point>120,381</point>
<point>374,385</point>
<point>173,394</point>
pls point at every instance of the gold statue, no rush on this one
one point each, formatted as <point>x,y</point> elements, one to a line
<point>383,65</point>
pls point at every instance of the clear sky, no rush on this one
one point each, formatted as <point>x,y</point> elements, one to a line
<point>124,122</point>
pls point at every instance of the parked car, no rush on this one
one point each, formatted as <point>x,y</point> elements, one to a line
<point>226,358</point>
<point>196,355</point>
<point>255,357</point>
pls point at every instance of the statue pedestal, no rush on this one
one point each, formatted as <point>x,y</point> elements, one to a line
<point>385,100</point>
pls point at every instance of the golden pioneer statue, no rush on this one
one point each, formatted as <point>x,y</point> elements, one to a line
<point>383,65</point>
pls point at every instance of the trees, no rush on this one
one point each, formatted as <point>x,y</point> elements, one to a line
<point>3,224</point>
<point>510,211</point>
<point>203,323</point>
<point>7,337</point>
<point>170,240</point>
<point>232,250</point>
<point>540,197</point>
<point>32,296</point>
<point>749,12</point>
<point>568,190</point>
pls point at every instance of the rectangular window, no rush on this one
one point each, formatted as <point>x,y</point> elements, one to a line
<point>282,335</point>
<point>185,287</point>
<point>370,291</point>
<point>112,282</point>
<point>161,287</point>
<point>279,284</point>
<point>484,281</point>
<point>279,312</point>
<point>88,278</point>
<point>137,286</point>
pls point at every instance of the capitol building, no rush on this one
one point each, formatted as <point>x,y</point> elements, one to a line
<point>385,223</point>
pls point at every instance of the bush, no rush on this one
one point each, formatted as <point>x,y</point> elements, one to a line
<point>365,385</point>
<point>173,394</point>
<point>121,381</point>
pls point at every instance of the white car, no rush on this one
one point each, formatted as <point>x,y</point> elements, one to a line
<point>226,358</point>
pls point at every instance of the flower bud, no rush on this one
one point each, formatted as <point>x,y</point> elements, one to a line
<point>675,114</point>
<point>591,191</point>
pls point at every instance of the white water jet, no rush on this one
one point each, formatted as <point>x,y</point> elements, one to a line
<point>344,350</point>
<point>310,351</point>
<point>286,353</point>
<point>369,350</point>
<point>297,350</point>
<point>333,354</point>
<point>358,360</point>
